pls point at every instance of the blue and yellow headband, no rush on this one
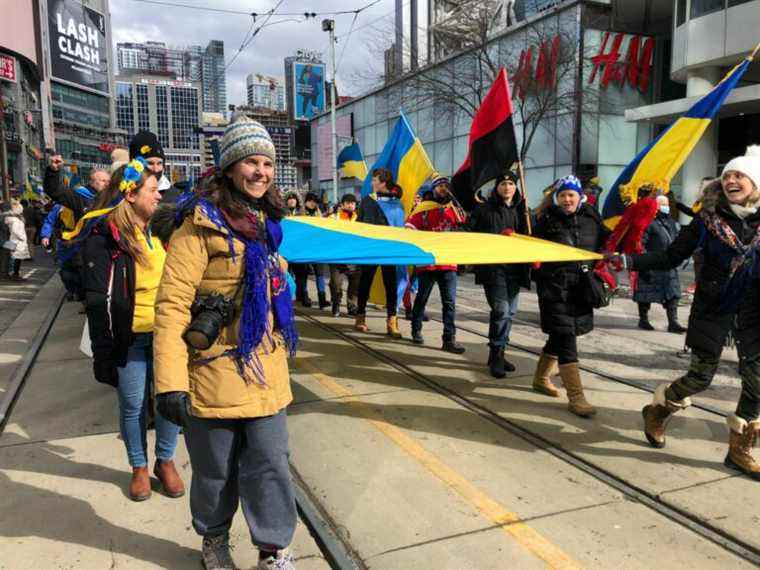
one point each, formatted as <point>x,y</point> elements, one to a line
<point>132,174</point>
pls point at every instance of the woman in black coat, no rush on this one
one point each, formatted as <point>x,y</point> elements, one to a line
<point>564,313</point>
<point>659,285</point>
<point>726,302</point>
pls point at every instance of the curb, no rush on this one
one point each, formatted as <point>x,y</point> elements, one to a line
<point>20,374</point>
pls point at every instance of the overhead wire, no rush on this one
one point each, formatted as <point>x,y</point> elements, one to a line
<point>307,14</point>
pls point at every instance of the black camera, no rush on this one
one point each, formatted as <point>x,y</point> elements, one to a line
<point>210,314</point>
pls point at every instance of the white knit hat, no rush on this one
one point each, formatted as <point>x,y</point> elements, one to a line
<point>749,165</point>
<point>244,137</point>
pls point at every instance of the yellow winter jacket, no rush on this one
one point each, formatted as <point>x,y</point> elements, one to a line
<point>199,262</point>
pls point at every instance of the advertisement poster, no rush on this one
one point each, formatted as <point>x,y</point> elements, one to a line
<point>78,44</point>
<point>309,92</point>
<point>7,68</point>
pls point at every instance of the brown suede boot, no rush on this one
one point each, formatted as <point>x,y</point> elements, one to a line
<point>658,414</point>
<point>545,369</point>
<point>139,486</point>
<point>571,380</point>
<point>392,327</point>
<point>360,323</point>
<point>741,440</point>
<point>170,479</point>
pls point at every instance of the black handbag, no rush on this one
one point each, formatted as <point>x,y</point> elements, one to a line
<point>595,290</point>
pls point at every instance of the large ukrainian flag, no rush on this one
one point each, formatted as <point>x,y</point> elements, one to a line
<point>351,162</point>
<point>661,159</point>
<point>406,158</point>
<point>340,241</point>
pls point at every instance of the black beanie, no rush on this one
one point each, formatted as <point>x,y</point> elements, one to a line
<point>146,145</point>
<point>507,175</point>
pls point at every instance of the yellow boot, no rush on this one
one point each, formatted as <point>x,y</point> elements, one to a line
<point>545,369</point>
<point>392,327</point>
<point>360,323</point>
<point>571,380</point>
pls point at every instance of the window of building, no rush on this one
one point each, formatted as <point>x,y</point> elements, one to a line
<point>680,12</point>
<point>143,114</point>
<point>184,117</point>
<point>124,114</point>
<point>704,7</point>
<point>162,116</point>
<point>737,2</point>
<point>72,96</point>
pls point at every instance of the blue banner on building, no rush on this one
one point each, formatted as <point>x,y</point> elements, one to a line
<point>309,92</point>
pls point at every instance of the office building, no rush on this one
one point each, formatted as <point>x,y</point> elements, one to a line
<point>634,55</point>
<point>194,63</point>
<point>266,91</point>
<point>171,109</point>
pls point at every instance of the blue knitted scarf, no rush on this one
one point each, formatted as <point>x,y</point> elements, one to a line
<point>264,288</point>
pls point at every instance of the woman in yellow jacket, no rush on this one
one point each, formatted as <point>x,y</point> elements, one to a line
<point>224,329</point>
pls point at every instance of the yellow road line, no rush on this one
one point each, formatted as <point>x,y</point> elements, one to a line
<point>509,521</point>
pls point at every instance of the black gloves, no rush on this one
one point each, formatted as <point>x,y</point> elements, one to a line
<point>174,406</point>
<point>105,372</point>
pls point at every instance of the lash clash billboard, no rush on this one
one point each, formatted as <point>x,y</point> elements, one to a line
<point>78,45</point>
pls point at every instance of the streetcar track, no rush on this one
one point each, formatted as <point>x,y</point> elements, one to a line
<point>651,500</point>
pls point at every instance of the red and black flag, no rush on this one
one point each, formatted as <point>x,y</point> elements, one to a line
<point>492,147</point>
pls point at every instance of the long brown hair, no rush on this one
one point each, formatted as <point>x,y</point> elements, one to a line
<point>220,191</point>
<point>123,216</point>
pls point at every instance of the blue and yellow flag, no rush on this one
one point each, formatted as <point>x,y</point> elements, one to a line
<point>366,244</point>
<point>404,155</point>
<point>351,162</point>
<point>661,159</point>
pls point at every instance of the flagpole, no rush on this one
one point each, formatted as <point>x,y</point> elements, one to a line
<point>524,196</point>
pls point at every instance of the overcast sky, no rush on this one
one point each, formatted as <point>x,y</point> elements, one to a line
<point>138,21</point>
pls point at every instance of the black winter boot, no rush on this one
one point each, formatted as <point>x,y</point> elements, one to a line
<point>496,362</point>
<point>644,323</point>
<point>452,346</point>
<point>671,309</point>
<point>323,302</point>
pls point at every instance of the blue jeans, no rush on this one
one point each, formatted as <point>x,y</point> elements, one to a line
<point>447,286</point>
<point>135,385</point>
<point>503,310</point>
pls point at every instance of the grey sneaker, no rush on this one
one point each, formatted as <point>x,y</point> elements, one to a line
<point>216,553</point>
<point>283,560</point>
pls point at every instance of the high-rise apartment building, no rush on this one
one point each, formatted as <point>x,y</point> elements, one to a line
<point>214,78</point>
<point>265,91</point>
<point>169,108</point>
<point>193,63</point>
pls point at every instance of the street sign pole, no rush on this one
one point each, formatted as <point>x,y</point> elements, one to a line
<point>329,26</point>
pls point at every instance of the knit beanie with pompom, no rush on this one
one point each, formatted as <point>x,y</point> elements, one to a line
<point>244,137</point>
<point>749,165</point>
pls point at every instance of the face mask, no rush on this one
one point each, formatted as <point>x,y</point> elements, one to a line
<point>665,209</point>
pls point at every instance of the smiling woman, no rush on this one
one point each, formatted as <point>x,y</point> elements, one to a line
<point>224,329</point>
<point>124,265</point>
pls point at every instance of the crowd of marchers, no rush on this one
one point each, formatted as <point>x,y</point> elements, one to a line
<point>188,302</point>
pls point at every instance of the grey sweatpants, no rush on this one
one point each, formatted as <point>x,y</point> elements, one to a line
<point>242,461</point>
